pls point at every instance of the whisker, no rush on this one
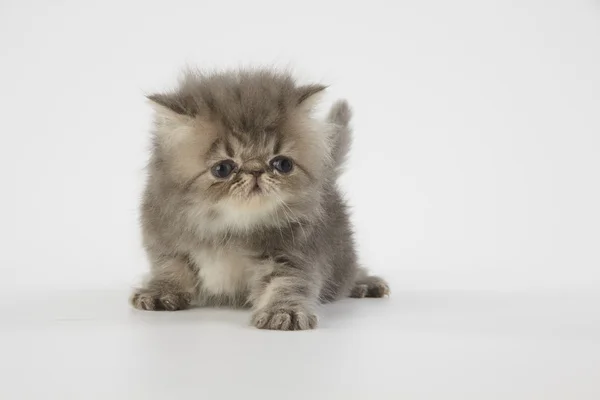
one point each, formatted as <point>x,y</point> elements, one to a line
<point>287,217</point>
<point>279,226</point>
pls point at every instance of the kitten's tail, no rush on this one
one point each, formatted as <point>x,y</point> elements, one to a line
<point>339,116</point>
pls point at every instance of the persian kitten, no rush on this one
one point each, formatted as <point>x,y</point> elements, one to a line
<point>241,206</point>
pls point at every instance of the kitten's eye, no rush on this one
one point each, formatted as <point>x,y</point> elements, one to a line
<point>223,169</point>
<point>282,164</point>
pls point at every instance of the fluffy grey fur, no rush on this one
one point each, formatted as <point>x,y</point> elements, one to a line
<point>277,241</point>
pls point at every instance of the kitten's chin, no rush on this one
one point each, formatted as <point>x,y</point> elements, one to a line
<point>256,194</point>
<point>256,209</point>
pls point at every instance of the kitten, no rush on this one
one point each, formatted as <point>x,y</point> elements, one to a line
<point>241,206</point>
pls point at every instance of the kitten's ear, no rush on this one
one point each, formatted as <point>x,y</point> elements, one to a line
<point>172,120</point>
<point>173,105</point>
<point>309,95</point>
<point>177,103</point>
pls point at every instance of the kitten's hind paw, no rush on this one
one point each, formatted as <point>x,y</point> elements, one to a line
<point>151,300</point>
<point>371,286</point>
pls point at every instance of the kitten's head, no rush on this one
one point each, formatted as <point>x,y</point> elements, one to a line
<point>242,147</point>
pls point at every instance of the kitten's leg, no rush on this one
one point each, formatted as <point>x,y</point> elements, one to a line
<point>285,298</point>
<point>172,286</point>
<point>369,286</point>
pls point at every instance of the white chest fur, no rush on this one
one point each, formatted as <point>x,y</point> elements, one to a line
<point>223,272</point>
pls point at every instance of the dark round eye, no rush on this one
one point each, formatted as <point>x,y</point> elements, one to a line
<point>223,169</point>
<point>282,164</point>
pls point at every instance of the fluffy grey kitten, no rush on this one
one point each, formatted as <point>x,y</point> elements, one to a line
<point>241,206</point>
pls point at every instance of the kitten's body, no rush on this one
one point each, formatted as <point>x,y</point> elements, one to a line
<point>278,242</point>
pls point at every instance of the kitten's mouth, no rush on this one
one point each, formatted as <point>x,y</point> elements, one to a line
<point>256,189</point>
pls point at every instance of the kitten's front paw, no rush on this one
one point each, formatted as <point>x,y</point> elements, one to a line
<point>152,300</point>
<point>284,319</point>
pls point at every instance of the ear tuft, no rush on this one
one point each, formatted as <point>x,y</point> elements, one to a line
<point>177,103</point>
<point>172,121</point>
<point>307,92</point>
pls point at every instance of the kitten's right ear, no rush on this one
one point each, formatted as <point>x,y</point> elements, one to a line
<point>178,103</point>
<point>173,116</point>
<point>172,106</point>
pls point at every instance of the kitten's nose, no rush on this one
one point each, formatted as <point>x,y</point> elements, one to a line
<point>254,167</point>
<point>256,172</point>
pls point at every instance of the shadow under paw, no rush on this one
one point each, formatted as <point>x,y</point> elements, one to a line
<point>150,300</point>
<point>284,319</point>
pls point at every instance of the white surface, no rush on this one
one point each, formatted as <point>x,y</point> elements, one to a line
<point>475,171</point>
<point>414,345</point>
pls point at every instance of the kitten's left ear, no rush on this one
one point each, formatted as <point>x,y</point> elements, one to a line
<point>309,95</point>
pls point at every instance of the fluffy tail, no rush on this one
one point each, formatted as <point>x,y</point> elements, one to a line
<point>340,116</point>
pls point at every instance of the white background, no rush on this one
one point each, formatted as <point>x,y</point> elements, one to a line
<point>474,181</point>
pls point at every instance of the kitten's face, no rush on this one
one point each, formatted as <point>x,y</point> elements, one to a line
<point>259,174</point>
<point>255,157</point>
